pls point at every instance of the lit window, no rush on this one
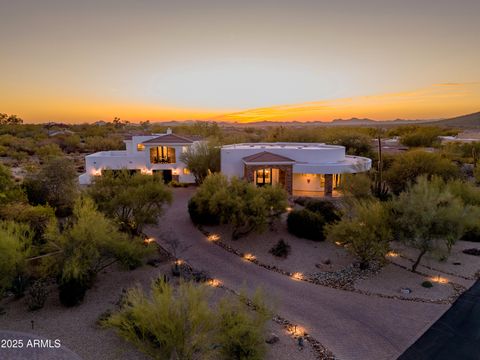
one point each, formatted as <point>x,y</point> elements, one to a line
<point>186,171</point>
<point>140,147</point>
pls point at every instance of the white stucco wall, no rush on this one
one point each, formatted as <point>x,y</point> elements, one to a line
<point>132,159</point>
<point>309,158</point>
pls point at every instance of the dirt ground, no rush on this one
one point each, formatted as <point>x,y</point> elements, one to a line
<point>77,329</point>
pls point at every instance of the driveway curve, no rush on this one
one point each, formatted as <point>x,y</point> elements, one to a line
<point>352,326</point>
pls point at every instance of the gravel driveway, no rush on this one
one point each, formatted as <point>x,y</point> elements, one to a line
<point>351,325</point>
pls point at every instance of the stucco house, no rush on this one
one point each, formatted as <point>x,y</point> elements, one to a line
<point>303,169</point>
<point>148,154</point>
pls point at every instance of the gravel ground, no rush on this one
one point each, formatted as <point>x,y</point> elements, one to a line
<point>457,262</point>
<point>390,279</point>
<point>306,256</point>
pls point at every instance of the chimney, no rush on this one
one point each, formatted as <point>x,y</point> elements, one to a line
<point>169,131</point>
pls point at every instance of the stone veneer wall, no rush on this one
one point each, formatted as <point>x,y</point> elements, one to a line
<point>249,170</point>
<point>328,184</point>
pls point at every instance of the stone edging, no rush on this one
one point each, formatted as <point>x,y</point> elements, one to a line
<point>321,352</point>
<point>458,289</point>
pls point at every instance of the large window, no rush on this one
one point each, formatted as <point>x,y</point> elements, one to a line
<point>162,155</point>
<point>264,177</point>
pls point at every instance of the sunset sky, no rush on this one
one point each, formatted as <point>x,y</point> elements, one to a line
<point>75,61</point>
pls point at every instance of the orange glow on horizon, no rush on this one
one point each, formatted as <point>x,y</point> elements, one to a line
<point>434,102</point>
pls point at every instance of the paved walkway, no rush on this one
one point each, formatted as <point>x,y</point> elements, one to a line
<point>352,326</point>
<point>456,335</point>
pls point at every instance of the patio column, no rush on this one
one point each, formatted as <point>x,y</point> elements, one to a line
<point>328,184</point>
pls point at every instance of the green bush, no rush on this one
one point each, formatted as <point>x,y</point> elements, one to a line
<point>427,284</point>
<point>325,208</point>
<point>238,203</point>
<point>241,330</point>
<point>306,224</point>
<point>169,325</point>
<point>472,235</point>
<point>203,217</point>
<point>36,296</point>
<point>280,249</point>
<point>409,165</point>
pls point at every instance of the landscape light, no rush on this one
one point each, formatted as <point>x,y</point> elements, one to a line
<point>213,237</point>
<point>249,257</point>
<point>214,282</point>
<point>148,240</point>
<point>297,276</point>
<point>439,279</point>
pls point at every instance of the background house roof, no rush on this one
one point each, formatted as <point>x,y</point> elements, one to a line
<point>267,157</point>
<point>169,139</point>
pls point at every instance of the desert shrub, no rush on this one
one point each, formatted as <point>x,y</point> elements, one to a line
<point>178,323</point>
<point>202,160</point>
<point>171,324</point>
<point>429,217</point>
<point>176,184</point>
<point>325,208</point>
<point>9,191</point>
<point>238,203</point>
<point>37,295</point>
<point>241,331</point>
<point>427,284</point>
<point>280,249</point>
<point>88,244</point>
<point>48,150</point>
<point>19,285</point>
<point>15,246</point>
<point>201,215</point>
<point>471,234</point>
<point>364,230</point>
<point>356,185</point>
<point>306,224</point>
<point>408,166</point>
<point>422,136</point>
<point>132,200</point>
<point>55,184</point>
<point>37,217</point>
<point>72,291</point>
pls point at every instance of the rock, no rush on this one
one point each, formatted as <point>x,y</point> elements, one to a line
<point>272,339</point>
<point>327,261</point>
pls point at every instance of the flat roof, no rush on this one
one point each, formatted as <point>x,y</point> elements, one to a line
<point>283,145</point>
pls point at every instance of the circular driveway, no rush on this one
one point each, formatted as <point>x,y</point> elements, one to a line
<point>351,325</point>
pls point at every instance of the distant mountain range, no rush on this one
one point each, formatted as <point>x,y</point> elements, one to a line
<point>469,120</point>
<point>463,121</point>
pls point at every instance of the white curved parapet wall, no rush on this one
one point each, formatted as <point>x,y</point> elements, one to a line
<point>309,158</point>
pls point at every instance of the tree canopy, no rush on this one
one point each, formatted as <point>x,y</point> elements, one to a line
<point>202,159</point>
<point>54,184</point>
<point>428,217</point>
<point>132,200</point>
<point>408,166</point>
<point>87,244</point>
<point>364,230</point>
<point>239,203</point>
